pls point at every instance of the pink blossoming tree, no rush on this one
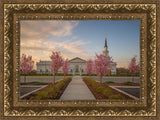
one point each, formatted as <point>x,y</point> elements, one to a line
<point>101,65</point>
<point>134,67</point>
<point>89,67</point>
<point>26,65</point>
<point>56,64</point>
<point>65,67</point>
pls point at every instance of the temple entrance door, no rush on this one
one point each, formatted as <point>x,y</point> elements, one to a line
<point>76,69</point>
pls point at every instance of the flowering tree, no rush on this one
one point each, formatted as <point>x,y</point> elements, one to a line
<point>57,62</point>
<point>89,67</point>
<point>65,67</point>
<point>101,65</point>
<point>26,65</point>
<point>134,67</point>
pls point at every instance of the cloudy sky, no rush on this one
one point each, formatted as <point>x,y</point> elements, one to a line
<point>81,39</point>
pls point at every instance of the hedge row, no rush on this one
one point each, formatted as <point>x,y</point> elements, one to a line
<point>58,74</point>
<point>113,75</point>
<point>61,74</point>
<point>34,83</point>
<point>107,93</point>
<point>51,91</point>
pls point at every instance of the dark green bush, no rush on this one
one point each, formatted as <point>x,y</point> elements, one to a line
<point>58,74</point>
<point>128,83</point>
<point>88,74</point>
<point>109,82</point>
<point>35,83</point>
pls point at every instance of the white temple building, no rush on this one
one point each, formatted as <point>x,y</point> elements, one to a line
<point>76,65</point>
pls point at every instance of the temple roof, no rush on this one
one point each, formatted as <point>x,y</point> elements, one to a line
<point>77,58</point>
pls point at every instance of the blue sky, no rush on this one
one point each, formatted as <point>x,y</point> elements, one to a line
<point>81,39</point>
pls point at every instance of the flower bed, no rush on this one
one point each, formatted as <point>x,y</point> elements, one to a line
<point>101,91</point>
<point>51,91</point>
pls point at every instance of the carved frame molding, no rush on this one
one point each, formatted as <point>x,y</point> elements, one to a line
<point>13,13</point>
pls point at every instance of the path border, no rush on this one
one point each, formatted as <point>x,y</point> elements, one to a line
<point>135,98</point>
<point>33,91</point>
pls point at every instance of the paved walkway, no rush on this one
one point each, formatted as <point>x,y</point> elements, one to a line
<point>77,90</point>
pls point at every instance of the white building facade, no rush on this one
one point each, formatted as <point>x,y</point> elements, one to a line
<point>76,65</point>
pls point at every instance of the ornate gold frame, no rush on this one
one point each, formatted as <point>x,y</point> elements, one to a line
<point>12,12</point>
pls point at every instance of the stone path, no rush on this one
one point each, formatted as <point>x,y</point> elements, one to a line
<point>77,90</point>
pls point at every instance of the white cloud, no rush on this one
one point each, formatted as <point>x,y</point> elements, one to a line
<point>42,29</point>
<point>68,49</point>
<point>35,40</point>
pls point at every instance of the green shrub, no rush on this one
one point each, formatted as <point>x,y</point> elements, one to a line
<point>128,83</point>
<point>109,82</point>
<point>116,97</point>
<point>88,75</point>
<point>58,74</point>
<point>107,92</point>
<point>99,89</point>
<point>43,94</point>
<point>38,83</point>
<point>23,83</point>
<point>34,83</point>
<point>122,74</point>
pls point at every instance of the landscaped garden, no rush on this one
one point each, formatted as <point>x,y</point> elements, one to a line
<point>52,91</point>
<point>100,67</point>
<point>102,90</point>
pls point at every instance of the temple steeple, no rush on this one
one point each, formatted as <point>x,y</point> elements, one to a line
<point>105,51</point>
<point>105,40</point>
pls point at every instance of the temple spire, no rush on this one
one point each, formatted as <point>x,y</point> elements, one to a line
<point>105,40</point>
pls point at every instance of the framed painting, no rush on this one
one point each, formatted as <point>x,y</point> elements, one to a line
<point>80,60</point>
